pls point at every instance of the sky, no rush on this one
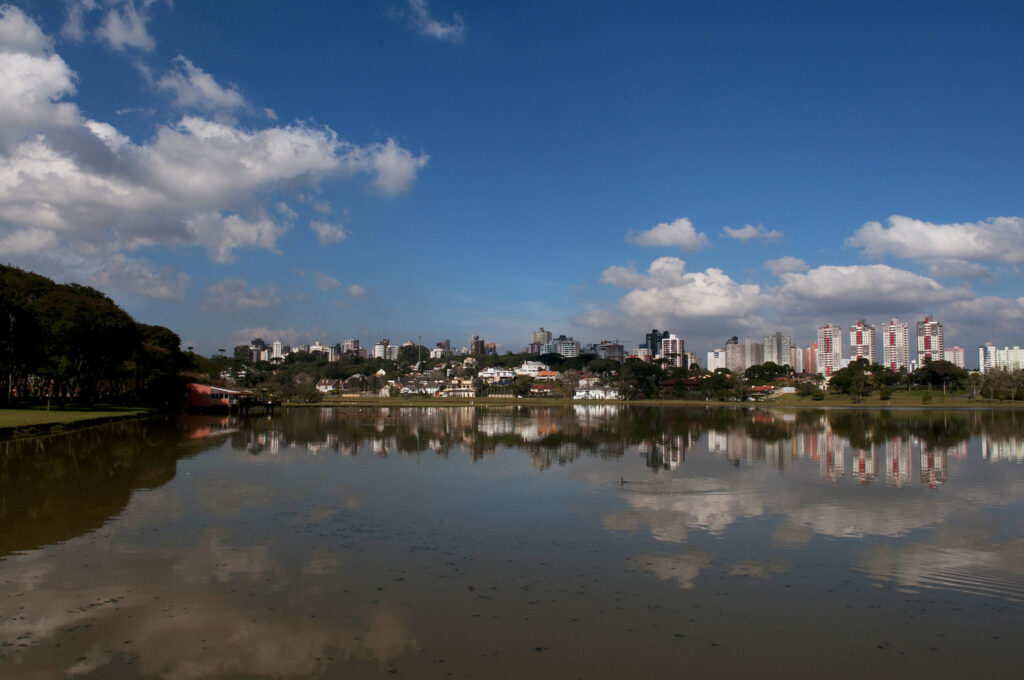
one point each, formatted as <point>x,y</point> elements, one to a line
<point>432,170</point>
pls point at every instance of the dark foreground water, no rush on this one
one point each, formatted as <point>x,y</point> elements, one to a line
<point>587,542</point>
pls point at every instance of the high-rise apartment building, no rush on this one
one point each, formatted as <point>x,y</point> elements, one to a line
<point>862,342</point>
<point>811,359</point>
<point>753,353</point>
<point>777,348</point>
<point>830,349</point>
<point>476,345</point>
<point>991,358</point>
<point>672,349</point>
<point>929,340</point>
<point>896,344</point>
<point>955,355</point>
<point>652,341</point>
<point>716,360</point>
<point>350,345</point>
<point>735,360</point>
<point>380,350</point>
<point>541,336</point>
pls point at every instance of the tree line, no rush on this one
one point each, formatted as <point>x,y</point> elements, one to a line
<point>71,343</point>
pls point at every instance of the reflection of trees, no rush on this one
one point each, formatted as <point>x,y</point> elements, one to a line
<point>561,434</point>
<point>56,488</point>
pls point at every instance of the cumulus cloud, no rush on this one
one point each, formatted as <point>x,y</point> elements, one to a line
<point>135,275</point>
<point>222,234</point>
<point>394,168</point>
<point>959,269</point>
<point>18,33</point>
<point>232,295</point>
<point>426,25</point>
<point>71,184</point>
<point>325,282</point>
<point>750,232</point>
<point>356,291</point>
<point>863,287</point>
<point>990,318</point>
<point>27,241</point>
<point>288,336</point>
<point>328,233</point>
<point>124,27</point>
<point>998,239</point>
<point>668,291</point>
<point>597,318</point>
<point>786,265</point>
<point>679,233</point>
<point>193,87</point>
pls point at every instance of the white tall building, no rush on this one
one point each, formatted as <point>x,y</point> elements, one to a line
<point>276,354</point>
<point>896,344</point>
<point>716,360</point>
<point>992,358</point>
<point>862,342</point>
<point>956,356</point>
<point>672,349</point>
<point>929,340</point>
<point>829,357</point>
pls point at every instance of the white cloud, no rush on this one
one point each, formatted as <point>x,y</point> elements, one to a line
<point>668,291</point>
<point>356,291</point>
<point>18,33</point>
<point>74,24</point>
<point>33,80</point>
<point>135,276</point>
<point>393,167</point>
<point>221,234</point>
<point>597,318</point>
<point>288,336</point>
<point>749,232</point>
<point>998,239</point>
<point>679,233</point>
<point>863,287</point>
<point>786,265</point>
<point>196,182</point>
<point>427,26</point>
<point>989,319</point>
<point>124,27</point>
<point>27,241</point>
<point>959,269</point>
<point>328,233</point>
<point>231,295</point>
<point>325,282</point>
<point>193,87</point>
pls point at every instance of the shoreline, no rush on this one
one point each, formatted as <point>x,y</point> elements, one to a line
<point>802,403</point>
<point>46,423</point>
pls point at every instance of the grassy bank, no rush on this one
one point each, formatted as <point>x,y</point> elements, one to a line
<point>30,422</point>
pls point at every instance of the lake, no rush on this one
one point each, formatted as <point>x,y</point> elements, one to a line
<point>569,542</point>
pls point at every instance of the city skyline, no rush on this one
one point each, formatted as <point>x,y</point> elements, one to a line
<point>445,169</point>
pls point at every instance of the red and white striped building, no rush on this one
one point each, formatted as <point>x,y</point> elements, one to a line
<point>896,344</point>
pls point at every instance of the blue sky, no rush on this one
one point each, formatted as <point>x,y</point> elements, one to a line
<point>403,169</point>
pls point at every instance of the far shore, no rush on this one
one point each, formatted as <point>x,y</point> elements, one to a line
<point>33,422</point>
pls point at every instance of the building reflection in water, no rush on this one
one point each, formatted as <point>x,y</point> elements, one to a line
<point>863,446</point>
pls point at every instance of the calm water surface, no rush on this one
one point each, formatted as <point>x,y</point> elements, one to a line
<point>586,542</point>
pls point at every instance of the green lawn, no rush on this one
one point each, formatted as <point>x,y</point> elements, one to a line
<point>15,418</point>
